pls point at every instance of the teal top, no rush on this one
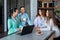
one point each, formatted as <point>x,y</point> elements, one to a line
<point>25,15</point>
<point>13,25</point>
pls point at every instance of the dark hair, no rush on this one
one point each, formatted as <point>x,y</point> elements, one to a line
<point>42,11</point>
<point>50,14</point>
<point>21,7</point>
<point>55,20</point>
<point>11,11</point>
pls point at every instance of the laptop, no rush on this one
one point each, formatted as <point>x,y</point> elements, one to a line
<point>27,30</point>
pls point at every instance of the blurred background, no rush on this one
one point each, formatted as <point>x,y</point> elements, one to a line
<point>31,7</point>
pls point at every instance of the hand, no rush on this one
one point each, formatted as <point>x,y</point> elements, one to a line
<point>37,28</point>
<point>19,29</point>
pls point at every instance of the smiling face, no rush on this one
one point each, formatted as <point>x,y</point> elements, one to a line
<point>47,13</point>
<point>40,12</point>
<point>15,13</point>
<point>22,10</point>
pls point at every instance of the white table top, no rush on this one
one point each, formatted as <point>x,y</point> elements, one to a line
<point>32,36</point>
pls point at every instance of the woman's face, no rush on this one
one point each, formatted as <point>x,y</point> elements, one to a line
<point>47,13</point>
<point>16,13</point>
<point>40,12</point>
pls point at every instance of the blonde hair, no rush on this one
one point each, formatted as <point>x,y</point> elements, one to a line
<point>52,15</point>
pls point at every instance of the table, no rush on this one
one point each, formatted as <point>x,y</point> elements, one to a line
<point>33,36</point>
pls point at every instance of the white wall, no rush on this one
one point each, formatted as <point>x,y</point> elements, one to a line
<point>33,10</point>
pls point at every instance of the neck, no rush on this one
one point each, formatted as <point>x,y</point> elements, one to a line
<point>14,16</point>
<point>48,18</point>
<point>42,16</point>
<point>22,13</point>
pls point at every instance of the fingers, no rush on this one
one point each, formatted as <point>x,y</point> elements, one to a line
<point>19,29</point>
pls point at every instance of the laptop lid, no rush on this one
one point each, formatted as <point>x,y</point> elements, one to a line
<point>27,29</point>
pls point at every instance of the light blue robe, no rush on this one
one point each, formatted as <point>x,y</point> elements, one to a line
<point>25,15</point>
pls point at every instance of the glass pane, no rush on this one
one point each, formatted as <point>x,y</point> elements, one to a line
<point>1,16</point>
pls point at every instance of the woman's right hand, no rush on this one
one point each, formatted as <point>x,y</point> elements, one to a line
<point>19,29</point>
<point>37,28</point>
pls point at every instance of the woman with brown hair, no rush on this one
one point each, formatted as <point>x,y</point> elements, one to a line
<point>40,21</point>
<point>51,22</point>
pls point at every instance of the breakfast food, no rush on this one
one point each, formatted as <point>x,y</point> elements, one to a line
<point>39,32</point>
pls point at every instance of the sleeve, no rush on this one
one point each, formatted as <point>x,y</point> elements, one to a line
<point>51,23</point>
<point>46,27</point>
<point>35,22</point>
<point>49,27</point>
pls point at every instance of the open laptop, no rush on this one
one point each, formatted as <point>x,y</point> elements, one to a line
<point>27,30</point>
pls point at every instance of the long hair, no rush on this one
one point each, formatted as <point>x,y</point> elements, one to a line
<point>11,11</point>
<point>49,15</point>
<point>42,12</point>
<point>52,15</point>
<point>55,20</point>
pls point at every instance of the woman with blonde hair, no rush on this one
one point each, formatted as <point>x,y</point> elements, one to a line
<point>51,21</point>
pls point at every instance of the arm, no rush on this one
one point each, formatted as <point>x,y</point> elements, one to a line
<point>46,27</point>
<point>35,22</point>
<point>9,24</point>
<point>51,23</point>
<point>28,20</point>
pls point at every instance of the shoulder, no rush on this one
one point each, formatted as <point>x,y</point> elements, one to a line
<point>9,20</point>
<point>19,14</point>
<point>51,20</point>
<point>45,18</point>
<point>26,14</point>
<point>37,18</point>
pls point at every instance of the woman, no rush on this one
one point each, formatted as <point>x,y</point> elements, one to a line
<point>40,21</point>
<point>51,21</point>
<point>13,25</point>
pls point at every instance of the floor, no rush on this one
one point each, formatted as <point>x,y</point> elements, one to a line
<point>58,38</point>
<point>3,35</point>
